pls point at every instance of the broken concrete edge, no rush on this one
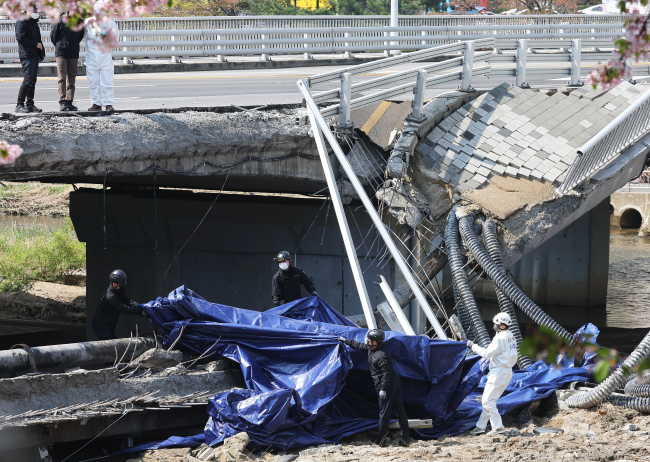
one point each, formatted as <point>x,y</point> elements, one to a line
<point>434,112</point>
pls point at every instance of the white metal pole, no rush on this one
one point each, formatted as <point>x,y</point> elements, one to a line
<point>394,20</point>
<point>392,302</point>
<point>381,228</point>
<point>343,223</point>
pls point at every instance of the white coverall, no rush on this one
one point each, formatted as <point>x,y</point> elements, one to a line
<point>99,69</point>
<point>502,353</point>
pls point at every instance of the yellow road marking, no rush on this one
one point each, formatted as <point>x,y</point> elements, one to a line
<point>374,118</point>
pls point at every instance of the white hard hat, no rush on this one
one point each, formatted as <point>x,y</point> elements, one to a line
<point>502,318</point>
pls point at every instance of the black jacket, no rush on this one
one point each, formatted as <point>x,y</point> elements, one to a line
<point>111,305</point>
<point>28,36</point>
<point>66,41</point>
<point>285,286</point>
<point>381,366</point>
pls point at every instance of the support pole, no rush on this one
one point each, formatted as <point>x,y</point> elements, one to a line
<point>345,119</point>
<point>394,19</point>
<point>521,64</point>
<point>381,227</point>
<point>397,310</point>
<point>340,215</point>
<point>418,96</point>
<point>576,62</point>
<point>306,55</point>
<point>468,67</point>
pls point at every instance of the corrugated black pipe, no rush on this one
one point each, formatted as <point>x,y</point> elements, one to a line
<point>501,279</point>
<point>460,281</point>
<point>638,386</point>
<point>505,304</point>
<point>614,381</point>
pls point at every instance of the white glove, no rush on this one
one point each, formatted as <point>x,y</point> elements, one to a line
<point>470,344</point>
<point>342,339</point>
<point>314,293</point>
<point>382,394</point>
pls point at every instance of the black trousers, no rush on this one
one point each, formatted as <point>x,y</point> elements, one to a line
<point>30,71</point>
<point>104,333</point>
<point>392,403</point>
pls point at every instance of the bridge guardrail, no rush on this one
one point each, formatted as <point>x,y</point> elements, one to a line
<point>622,132</point>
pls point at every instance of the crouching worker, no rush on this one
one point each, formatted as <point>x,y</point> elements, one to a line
<point>387,384</point>
<point>114,302</point>
<point>502,353</point>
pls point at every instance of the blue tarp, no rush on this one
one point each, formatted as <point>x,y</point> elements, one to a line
<point>306,388</point>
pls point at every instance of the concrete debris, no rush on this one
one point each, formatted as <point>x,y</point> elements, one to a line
<point>157,358</point>
<point>591,434</point>
<point>547,430</point>
<point>632,427</point>
<point>404,202</point>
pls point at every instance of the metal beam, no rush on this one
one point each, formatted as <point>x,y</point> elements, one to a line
<point>342,220</point>
<point>381,227</point>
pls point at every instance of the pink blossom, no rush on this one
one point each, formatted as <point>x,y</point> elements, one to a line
<point>9,152</point>
<point>105,32</point>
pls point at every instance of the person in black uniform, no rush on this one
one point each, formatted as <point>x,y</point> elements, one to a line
<point>31,53</point>
<point>285,286</point>
<point>387,384</point>
<point>114,302</point>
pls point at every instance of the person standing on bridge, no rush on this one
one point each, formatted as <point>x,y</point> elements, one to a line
<point>285,286</point>
<point>99,61</point>
<point>114,302</point>
<point>66,44</point>
<point>31,52</point>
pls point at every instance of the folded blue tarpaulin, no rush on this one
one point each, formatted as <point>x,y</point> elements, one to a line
<point>305,388</point>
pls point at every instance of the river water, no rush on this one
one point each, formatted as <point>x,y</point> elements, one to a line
<point>628,289</point>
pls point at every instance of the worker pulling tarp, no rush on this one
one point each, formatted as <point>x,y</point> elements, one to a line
<point>305,388</point>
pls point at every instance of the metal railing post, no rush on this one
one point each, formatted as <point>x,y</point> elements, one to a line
<point>307,55</point>
<point>468,67</point>
<point>346,96</point>
<point>174,59</point>
<point>387,50</point>
<point>265,56</point>
<point>418,96</point>
<point>220,58</point>
<point>347,53</point>
<point>521,64</point>
<point>343,222</point>
<point>423,34</point>
<point>576,62</point>
<point>126,59</point>
<point>398,258</point>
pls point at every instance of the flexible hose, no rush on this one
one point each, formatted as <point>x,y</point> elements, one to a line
<point>631,402</point>
<point>460,281</point>
<point>505,304</point>
<point>616,380</point>
<point>501,279</point>
<point>462,311</point>
<point>638,386</point>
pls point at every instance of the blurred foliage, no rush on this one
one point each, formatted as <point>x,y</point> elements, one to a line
<point>545,344</point>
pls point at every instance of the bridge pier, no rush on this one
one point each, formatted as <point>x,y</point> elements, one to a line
<point>229,257</point>
<point>630,208</point>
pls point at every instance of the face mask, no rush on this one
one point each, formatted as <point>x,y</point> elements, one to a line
<point>35,15</point>
<point>496,328</point>
<point>284,266</point>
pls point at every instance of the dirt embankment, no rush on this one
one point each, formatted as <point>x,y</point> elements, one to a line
<point>598,434</point>
<point>47,302</point>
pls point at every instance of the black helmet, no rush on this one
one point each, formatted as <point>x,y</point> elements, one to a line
<point>377,335</point>
<point>282,256</point>
<point>118,276</point>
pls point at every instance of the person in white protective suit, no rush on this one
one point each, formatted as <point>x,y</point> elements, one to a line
<point>99,62</point>
<point>502,353</point>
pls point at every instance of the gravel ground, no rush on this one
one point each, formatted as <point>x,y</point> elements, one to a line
<point>599,434</point>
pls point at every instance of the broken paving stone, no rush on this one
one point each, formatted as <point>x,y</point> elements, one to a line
<point>514,432</point>
<point>288,458</point>
<point>632,427</point>
<point>487,449</point>
<point>591,434</point>
<point>547,430</point>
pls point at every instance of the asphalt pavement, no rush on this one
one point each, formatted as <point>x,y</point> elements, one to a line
<point>196,89</point>
<point>249,88</point>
